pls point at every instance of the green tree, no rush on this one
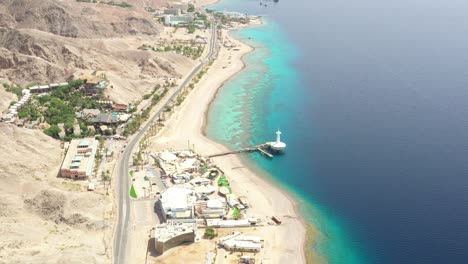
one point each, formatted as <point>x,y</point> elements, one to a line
<point>52,131</point>
<point>191,8</point>
<point>210,233</point>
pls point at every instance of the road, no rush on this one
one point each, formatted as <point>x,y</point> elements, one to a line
<point>123,182</point>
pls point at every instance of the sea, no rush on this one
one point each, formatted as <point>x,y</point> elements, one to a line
<point>371,98</point>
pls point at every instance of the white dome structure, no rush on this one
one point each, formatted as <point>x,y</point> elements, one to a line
<point>277,145</point>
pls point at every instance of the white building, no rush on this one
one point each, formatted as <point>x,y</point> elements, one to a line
<point>214,208</point>
<point>173,20</point>
<point>238,242</point>
<point>231,199</point>
<point>228,223</point>
<point>177,203</point>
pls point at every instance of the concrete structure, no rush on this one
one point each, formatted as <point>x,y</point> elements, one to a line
<point>62,133</point>
<point>246,260</point>
<point>87,113</point>
<point>177,203</point>
<point>214,208</point>
<point>76,130</point>
<point>173,20</point>
<point>173,11</point>
<point>124,117</point>
<point>277,145</point>
<point>181,177</point>
<point>79,160</point>
<point>120,107</point>
<point>236,15</point>
<point>38,89</point>
<point>93,84</point>
<point>228,223</point>
<point>174,233</point>
<point>231,199</point>
<point>103,118</point>
<point>238,242</point>
<point>13,110</point>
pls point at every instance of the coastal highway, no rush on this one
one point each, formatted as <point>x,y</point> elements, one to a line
<point>120,247</point>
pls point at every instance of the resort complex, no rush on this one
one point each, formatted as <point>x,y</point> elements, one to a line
<point>126,174</point>
<point>195,196</point>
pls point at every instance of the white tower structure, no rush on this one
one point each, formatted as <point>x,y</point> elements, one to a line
<point>278,145</point>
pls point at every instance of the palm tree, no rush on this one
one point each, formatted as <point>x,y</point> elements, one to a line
<point>103,178</point>
<point>108,177</point>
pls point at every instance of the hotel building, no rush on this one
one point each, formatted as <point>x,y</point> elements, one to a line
<point>79,160</point>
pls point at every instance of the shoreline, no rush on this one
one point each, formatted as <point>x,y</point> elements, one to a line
<point>253,172</point>
<point>311,231</point>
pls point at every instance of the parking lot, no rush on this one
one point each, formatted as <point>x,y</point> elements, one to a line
<point>148,183</point>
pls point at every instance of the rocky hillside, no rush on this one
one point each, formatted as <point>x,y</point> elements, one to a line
<point>45,219</point>
<point>52,40</point>
<point>77,19</point>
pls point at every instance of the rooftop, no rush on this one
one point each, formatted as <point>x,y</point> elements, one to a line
<point>171,229</point>
<point>176,198</point>
<point>79,160</point>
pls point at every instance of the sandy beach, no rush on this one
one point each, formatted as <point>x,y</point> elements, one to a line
<point>284,243</point>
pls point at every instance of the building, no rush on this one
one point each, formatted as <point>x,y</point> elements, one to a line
<point>76,130</point>
<point>94,84</point>
<point>79,160</point>
<point>62,133</point>
<point>120,107</point>
<point>181,177</point>
<point>87,113</point>
<point>173,11</point>
<point>214,208</point>
<point>173,20</point>
<point>238,242</point>
<point>38,89</point>
<point>107,119</point>
<point>173,233</point>
<point>231,199</point>
<point>177,203</point>
<point>13,110</point>
<point>218,223</point>
<point>246,260</point>
<point>235,15</point>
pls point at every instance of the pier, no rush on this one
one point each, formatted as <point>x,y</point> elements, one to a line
<point>276,146</point>
<point>260,148</point>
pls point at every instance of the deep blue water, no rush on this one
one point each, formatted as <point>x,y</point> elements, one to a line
<point>372,98</point>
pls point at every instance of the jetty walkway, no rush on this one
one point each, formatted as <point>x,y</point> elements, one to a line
<point>260,148</point>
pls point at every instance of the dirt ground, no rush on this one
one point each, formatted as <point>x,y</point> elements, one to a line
<point>45,219</point>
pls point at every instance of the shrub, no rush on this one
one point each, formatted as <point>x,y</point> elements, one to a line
<point>133,193</point>
<point>210,233</point>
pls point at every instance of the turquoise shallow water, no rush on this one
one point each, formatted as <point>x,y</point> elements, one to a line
<point>371,99</point>
<point>265,96</point>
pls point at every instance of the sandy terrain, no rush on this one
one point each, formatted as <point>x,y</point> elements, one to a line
<point>5,99</point>
<point>45,219</point>
<point>199,3</point>
<point>267,200</point>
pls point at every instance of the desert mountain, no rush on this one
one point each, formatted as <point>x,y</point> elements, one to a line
<point>51,40</point>
<point>45,219</point>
